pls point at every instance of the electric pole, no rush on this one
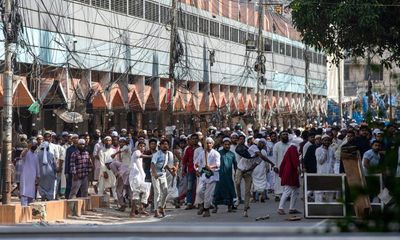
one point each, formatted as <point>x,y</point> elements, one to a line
<point>340,95</point>
<point>306,85</point>
<point>172,61</point>
<point>11,35</point>
<point>260,58</point>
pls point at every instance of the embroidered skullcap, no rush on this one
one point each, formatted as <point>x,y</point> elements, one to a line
<point>81,141</point>
<point>226,140</point>
<point>107,138</point>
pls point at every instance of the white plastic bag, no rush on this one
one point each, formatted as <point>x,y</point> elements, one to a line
<point>173,191</point>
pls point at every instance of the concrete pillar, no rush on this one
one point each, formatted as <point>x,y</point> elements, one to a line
<point>139,120</point>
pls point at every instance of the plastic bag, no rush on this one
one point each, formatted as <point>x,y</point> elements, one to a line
<point>173,191</point>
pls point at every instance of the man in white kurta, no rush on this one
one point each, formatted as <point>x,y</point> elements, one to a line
<point>206,187</point>
<point>279,152</point>
<point>29,174</point>
<point>106,177</point>
<point>325,157</point>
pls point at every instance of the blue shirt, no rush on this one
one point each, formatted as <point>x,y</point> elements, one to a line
<point>160,160</point>
<point>373,159</point>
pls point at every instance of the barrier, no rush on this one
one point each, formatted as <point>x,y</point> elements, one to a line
<point>333,184</point>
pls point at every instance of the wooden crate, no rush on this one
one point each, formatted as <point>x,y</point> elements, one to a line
<point>10,213</point>
<point>75,207</point>
<point>52,210</point>
<point>100,201</point>
<point>87,203</point>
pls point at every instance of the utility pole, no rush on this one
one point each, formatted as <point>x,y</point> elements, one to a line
<point>340,95</point>
<point>260,58</point>
<point>171,74</point>
<point>390,97</point>
<point>306,85</point>
<point>11,35</point>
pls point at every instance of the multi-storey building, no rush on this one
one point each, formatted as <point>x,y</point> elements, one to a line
<point>109,60</point>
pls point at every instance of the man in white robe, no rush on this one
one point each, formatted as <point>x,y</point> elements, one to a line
<point>279,151</point>
<point>29,174</point>
<point>106,177</point>
<point>325,157</point>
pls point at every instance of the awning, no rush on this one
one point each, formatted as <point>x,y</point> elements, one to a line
<point>21,95</point>
<point>51,93</point>
<point>116,99</point>
<point>99,100</point>
<point>133,99</point>
<point>69,117</point>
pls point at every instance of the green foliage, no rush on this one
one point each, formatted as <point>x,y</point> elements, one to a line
<point>350,28</point>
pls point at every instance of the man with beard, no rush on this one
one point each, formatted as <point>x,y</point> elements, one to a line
<point>161,161</point>
<point>207,163</point>
<point>347,141</point>
<point>29,173</point>
<point>48,173</point>
<point>362,141</point>
<point>279,152</point>
<point>309,160</point>
<point>79,169</point>
<point>325,163</point>
<point>225,188</point>
<point>106,178</point>
<point>272,139</point>
<point>189,171</point>
<point>68,153</point>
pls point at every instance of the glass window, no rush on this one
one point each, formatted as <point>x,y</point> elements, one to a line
<point>152,11</point>
<point>203,26</point>
<point>136,8</point>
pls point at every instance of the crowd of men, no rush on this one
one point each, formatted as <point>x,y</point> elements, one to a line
<point>144,170</point>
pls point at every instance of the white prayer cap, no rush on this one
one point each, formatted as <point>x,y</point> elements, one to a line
<point>81,141</point>
<point>114,134</point>
<point>377,131</point>
<point>234,134</point>
<point>182,137</point>
<point>23,136</point>
<point>210,140</point>
<point>263,129</point>
<point>325,136</point>
<point>74,136</point>
<point>122,139</point>
<point>107,138</point>
<point>226,139</point>
<point>64,133</point>
<point>47,133</point>
<point>39,136</point>
<point>256,141</point>
<point>123,130</point>
<point>262,140</point>
<point>223,129</point>
<point>110,160</point>
<point>227,129</point>
<point>53,134</point>
<point>249,130</point>
<point>318,136</point>
<point>34,142</point>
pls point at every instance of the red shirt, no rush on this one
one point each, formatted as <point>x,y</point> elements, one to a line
<point>187,161</point>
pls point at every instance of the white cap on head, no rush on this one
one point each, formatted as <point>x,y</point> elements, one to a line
<point>47,132</point>
<point>210,140</point>
<point>249,130</point>
<point>182,137</point>
<point>122,139</point>
<point>256,141</point>
<point>317,136</point>
<point>377,131</point>
<point>234,134</point>
<point>227,129</point>
<point>263,129</point>
<point>39,136</point>
<point>74,135</point>
<point>123,130</point>
<point>64,133</point>
<point>110,160</point>
<point>325,136</point>
<point>81,141</point>
<point>107,138</point>
<point>223,129</point>
<point>226,139</point>
<point>23,136</point>
<point>114,134</point>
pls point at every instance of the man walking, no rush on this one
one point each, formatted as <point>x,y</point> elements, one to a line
<point>79,169</point>
<point>161,161</point>
<point>29,174</point>
<point>207,163</point>
<point>189,171</point>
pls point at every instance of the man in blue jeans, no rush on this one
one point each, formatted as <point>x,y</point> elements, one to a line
<point>189,170</point>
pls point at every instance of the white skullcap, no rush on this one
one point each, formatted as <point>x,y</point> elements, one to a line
<point>74,135</point>
<point>234,134</point>
<point>210,140</point>
<point>182,137</point>
<point>377,131</point>
<point>47,132</point>
<point>110,160</point>
<point>223,129</point>
<point>226,139</point>
<point>227,129</point>
<point>199,133</point>
<point>249,130</point>
<point>114,134</point>
<point>256,141</point>
<point>81,141</point>
<point>23,136</point>
<point>64,133</point>
<point>318,136</point>
<point>263,129</point>
<point>325,136</point>
<point>39,136</point>
<point>107,138</point>
<point>123,130</point>
<point>122,139</point>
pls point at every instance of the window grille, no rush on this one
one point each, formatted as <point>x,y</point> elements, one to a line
<point>165,14</point>
<point>152,11</point>
<point>203,26</point>
<point>242,37</point>
<point>214,29</point>
<point>101,4</point>
<point>136,8</point>
<point>282,48</point>
<point>182,19</point>
<point>288,50</point>
<point>119,6</point>
<point>234,35</point>
<point>225,32</point>
<point>192,23</point>
<point>294,52</point>
<point>275,46</point>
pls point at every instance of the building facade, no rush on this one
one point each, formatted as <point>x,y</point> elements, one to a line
<point>109,61</point>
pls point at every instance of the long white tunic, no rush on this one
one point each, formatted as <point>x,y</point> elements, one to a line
<point>325,160</point>
<point>137,175</point>
<point>279,152</point>
<point>259,175</point>
<point>29,172</point>
<point>213,158</point>
<point>105,154</point>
